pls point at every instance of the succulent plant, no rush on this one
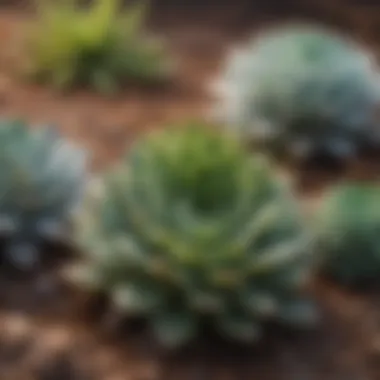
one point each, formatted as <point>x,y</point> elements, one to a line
<point>101,46</point>
<point>41,183</point>
<point>191,229</point>
<point>348,231</point>
<point>301,91</point>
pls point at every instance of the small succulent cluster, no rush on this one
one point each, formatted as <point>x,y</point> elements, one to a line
<point>41,184</point>
<point>101,47</point>
<point>303,92</point>
<point>349,231</point>
<point>190,228</point>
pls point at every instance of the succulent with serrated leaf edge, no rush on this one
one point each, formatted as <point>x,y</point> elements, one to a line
<point>348,233</point>
<point>303,92</point>
<point>41,183</point>
<point>190,228</point>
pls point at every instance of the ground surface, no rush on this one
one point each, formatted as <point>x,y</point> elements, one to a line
<point>43,334</point>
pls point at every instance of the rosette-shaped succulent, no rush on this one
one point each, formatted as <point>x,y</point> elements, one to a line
<point>41,182</point>
<point>191,229</point>
<point>301,91</point>
<point>349,231</point>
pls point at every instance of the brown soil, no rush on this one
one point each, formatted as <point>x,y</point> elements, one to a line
<point>44,333</point>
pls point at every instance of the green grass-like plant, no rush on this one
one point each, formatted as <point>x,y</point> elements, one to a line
<point>190,228</point>
<point>101,46</point>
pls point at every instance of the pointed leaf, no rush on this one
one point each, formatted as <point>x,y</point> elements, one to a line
<point>259,224</point>
<point>282,254</point>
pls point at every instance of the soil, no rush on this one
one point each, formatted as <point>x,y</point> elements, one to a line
<point>46,332</point>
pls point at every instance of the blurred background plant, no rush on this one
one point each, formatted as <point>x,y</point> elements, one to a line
<point>302,91</point>
<point>42,178</point>
<point>348,226</point>
<point>101,46</point>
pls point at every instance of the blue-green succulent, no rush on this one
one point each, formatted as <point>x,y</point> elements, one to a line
<point>348,226</point>
<point>302,91</point>
<point>42,179</point>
